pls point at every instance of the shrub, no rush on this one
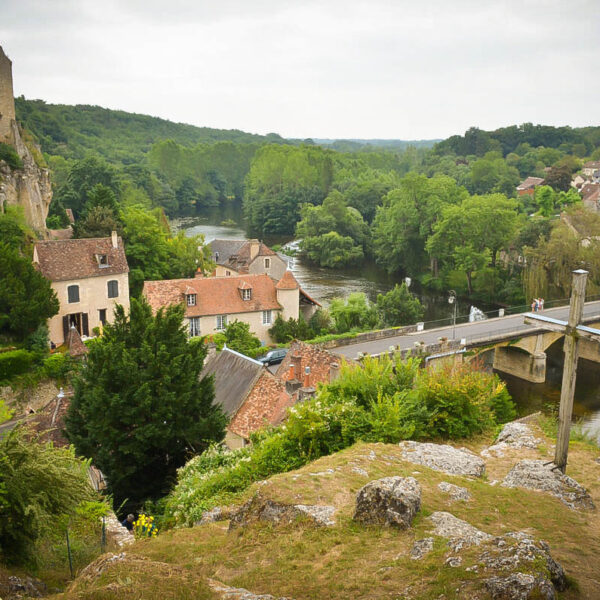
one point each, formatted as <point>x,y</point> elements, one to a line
<point>15,363</point>
<point>239,338</point>
<point>38,340</point>
<point>10,156</point>
<point>58,366</point>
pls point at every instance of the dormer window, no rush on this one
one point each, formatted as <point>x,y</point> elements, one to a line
<point>102,260</point>
<point>191,299</point>
<point>247,294</point>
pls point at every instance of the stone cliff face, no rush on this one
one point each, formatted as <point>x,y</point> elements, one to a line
<point>28,187</point>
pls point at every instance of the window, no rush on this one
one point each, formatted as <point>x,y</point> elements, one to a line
<point>191,299</point>
<point>73,293</point>
<point>102,316</point>
<point>267,263</point>
<point>227,273</point>
<point>246,294</point>
<point>267,317</point>
<point>113,289</point>
<point>221,322</point>
<point>102,260</point>
<point>194,326</point>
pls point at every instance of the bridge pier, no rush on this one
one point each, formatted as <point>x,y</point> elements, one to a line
<point>530,367</point>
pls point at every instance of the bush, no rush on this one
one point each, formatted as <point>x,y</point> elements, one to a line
<point>38,340</point>
<point>238,337</point>
<point>292,329</point>
<point>10,156</point>
<point>15,362</point>
<point>58,366</point>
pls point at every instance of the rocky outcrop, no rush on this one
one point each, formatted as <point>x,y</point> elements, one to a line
<point>22,587</point>
<point>456,492</point>
<point>544,477</point>
<point>229,593</point>
<point>443,458</point>
<point>513,435</point>
<point>219,513</point>
<point>519,586</point>
<point>116,533</point>
<point>391,501</point>
<point>460,533</point>
<point>266,510</point>
<point>421,548</point>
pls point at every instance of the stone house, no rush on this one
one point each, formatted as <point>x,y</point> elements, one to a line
<point>591,169</point>
<point>527,186</point>
<point>89,276</point>
<point>239,257</point>
<point>253,397</point>
<point>213,302</point>
<point>590,196</point>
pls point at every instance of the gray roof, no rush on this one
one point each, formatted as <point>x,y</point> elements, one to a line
<point>224,249</point>
<point>235,375</point>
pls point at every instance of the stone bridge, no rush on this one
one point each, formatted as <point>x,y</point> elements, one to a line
<point>519,348</point>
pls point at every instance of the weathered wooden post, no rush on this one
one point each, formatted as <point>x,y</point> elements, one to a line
<point>571,350</point>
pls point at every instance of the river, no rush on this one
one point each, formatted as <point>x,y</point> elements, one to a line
<point>325,284</point>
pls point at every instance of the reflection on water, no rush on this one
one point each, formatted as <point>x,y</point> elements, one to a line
<point>325,284</point>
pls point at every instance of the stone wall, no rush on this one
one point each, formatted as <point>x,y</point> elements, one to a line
<point>370,336</point>
<point>7,101</point>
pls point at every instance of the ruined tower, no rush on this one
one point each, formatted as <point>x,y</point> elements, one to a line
<point>7,99</point>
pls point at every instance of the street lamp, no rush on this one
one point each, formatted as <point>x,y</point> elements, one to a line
<point>453,301</point>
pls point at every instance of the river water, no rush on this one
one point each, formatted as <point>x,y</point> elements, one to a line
<point>325,284</point>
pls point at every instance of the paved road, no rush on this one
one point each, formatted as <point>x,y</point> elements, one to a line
<point>480,330</point>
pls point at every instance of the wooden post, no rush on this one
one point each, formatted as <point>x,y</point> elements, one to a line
<point>571,351</point>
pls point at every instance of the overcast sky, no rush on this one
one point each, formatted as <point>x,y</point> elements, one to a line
<point>339,69</point>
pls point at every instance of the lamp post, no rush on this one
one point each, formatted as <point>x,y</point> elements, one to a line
<point>453,301</point>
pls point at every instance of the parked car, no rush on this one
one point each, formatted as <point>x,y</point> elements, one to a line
<point>274,357</point>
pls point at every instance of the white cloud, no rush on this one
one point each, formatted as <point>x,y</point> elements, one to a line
<point>390,69</point>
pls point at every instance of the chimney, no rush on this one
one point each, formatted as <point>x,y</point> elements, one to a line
<point>297,362</point>
<point>115,239</point>
<point>291,372</point>
<point>334,371</point>
<point>254,248</point>
<point>306,377</point>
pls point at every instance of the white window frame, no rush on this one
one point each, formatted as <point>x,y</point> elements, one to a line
<point>221,322</point>
<point>267,317</point>
<point>191,299</point>
<point>194,326</point>
<point>247,294</point>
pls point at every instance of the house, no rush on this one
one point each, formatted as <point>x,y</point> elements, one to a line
<point>590,196</point>
<point>253,397</point>
<point>239,257</point>
<point>527,187</point>
<point>591,169</point>
<point>89,276</point>
<point>212,302</point>
<point>578,181</point>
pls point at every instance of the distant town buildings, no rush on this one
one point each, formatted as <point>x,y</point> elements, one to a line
<point>89,276</point>
<point>527,186</point>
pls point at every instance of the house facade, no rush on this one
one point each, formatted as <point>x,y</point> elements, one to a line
<point>239,257</point>
<point>89,276</point>
<point>213,302</point>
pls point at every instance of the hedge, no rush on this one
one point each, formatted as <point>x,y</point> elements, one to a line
<point>14,363</point>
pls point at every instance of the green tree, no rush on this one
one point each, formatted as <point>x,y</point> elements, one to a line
<point>39,483</point>
<point>238,337</point>
<point>27,299</point>
<point>292,329</point>
<point>559,177</point>
<point>354,313</point>
<point>99,221</point>
<point>139,409</point>
<point>399,307</point>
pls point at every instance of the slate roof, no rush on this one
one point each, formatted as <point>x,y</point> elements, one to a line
<point>215,295</point>
<point>236,253</point>
<point>64,260</point>
<point>235,375</point>
<point>224,248</point>
<point>530,182</point>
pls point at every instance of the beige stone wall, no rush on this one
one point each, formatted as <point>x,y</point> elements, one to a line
<point>276,269</point>
<point>290,301</point>
<point>93,296</point>
<point>7,100</point>
<point>234,441</point>
<point>221,271</point>
<point>208,325</point>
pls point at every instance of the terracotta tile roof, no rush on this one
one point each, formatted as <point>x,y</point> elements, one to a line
<point>287,282</point>
<point>215,295</point>
<point>592,164</point>
<point>63,260</point>
<point>70,215</point>
<point>530,182</point>
<point>234,376</point>
<point>589,191</point>
<point>75,343</point>
<point>318,359</point>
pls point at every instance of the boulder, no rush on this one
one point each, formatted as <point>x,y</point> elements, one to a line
<point>421,548</point>
<point>225,592</point>
<point>513,435</point>
<point>116,533</point>
<point>460,533</point>
<point>443,458</point>
<point>519,586</point>
<point>219,513</point>
<point>454,491</point>
<point>14,587</point>
<point>259,508</point>
<point>542,477</point>
<point>391,501</point>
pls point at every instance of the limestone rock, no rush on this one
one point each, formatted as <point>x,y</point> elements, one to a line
<point>513,435</point>
<point>116,533</point>
<point>538,475</point>
<point>229,593</point>
<point>22,587</point>
<point>460,533</point>
<point>456,492</point>
<point>421,548</point>
<point>519,586</point>
<point>391,501</point>
<point>443,458</point>
<point>263,509</point>
<point>219,513</point>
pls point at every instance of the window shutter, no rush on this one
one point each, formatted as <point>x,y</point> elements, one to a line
<point>65,328</point>
<point>84,324</point>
